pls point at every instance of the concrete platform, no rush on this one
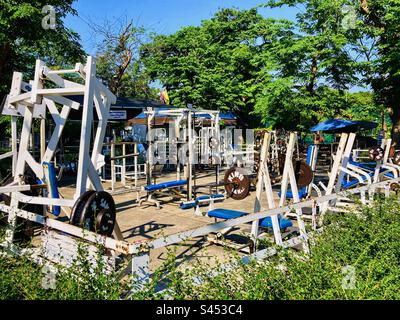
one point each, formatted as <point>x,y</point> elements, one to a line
<point>146,222</point>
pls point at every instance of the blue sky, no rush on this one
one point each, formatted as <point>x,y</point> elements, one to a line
<point>160,16</point>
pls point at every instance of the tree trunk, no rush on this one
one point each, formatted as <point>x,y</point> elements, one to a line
<point>395,117</point>
<point>313,75</point>
<point>5,50</point>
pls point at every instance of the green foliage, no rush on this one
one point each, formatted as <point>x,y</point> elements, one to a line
<point>287,74</point>
<point>367,241</point>
<point>365,54</point>
<point>21,279</point>
<point>222,64</point>
<point>314,70</point>
<point>22,38</point>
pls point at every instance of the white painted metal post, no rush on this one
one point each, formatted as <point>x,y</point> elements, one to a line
<point>264,181</point>
<point>14,145</point>
<point>191,158</point>
<point>140,271</point>
<point>345,160</point>
<point>85,138</point>
<point>135,151</point>
<point>288,160</point>
<point>42,137</point>
<point>113,173</point>
<point>335,171</point>
<point>123,169</point>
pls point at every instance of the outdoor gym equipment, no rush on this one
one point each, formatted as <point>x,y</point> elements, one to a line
<point>237,183</point>
<point>181,141</point>
<point>44,93</point>
<point>95,211</point>
<point>129,178</point>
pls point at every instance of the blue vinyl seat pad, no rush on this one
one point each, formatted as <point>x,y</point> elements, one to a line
<point>227,214</point>
<point>165,185</point>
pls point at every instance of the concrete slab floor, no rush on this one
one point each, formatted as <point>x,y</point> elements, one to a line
<point>146,222</point>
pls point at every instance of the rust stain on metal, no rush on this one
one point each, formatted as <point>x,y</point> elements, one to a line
<point>122,247</point>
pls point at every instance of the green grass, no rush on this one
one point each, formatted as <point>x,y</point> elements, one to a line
<point>368,243</point>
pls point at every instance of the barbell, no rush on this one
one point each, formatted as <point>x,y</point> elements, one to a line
<point>108,158</point>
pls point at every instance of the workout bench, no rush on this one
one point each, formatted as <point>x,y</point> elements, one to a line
<point>163,189</point>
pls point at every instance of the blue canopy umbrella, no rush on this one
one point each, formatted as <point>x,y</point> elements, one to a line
<point>339,125</point>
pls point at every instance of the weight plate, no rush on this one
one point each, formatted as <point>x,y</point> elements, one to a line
<point>396,158</point>
<point>303,173</point>
<point>375,153</point>
<point>237,185</point>
<point>95,212</point>
<point>105,221</point>
<point>77,209</point>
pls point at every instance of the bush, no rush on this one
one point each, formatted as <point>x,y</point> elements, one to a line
<point>365,242</point>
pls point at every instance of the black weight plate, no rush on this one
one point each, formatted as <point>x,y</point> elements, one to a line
<point>97,202</point>
<point>77,209</point>
<point>105,221</point>
<point>237,185</point>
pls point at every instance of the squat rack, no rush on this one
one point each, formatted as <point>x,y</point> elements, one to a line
<point>29,98</point>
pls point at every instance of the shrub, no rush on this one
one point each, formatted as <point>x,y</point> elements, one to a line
<point>365,242</point>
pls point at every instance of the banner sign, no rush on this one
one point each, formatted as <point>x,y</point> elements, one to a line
<point>117,115</point>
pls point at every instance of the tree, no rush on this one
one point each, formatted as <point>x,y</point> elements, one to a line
<point>222,64</point>
<point>314,71</point>
<point>23,39</point>
<point>381,21</point>
<point>118,63</point>
<point>373,44</point>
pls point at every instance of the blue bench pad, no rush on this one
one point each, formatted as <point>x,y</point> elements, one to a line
<point>165,185</point>
<point>289,193</point>
<point>226,214</point>
<point>194,203</point>
<point>213,196</point>
<point>283,223</point>
<point>232,214</point>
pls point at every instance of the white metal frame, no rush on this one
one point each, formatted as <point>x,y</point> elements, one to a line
<point>34,97</point>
